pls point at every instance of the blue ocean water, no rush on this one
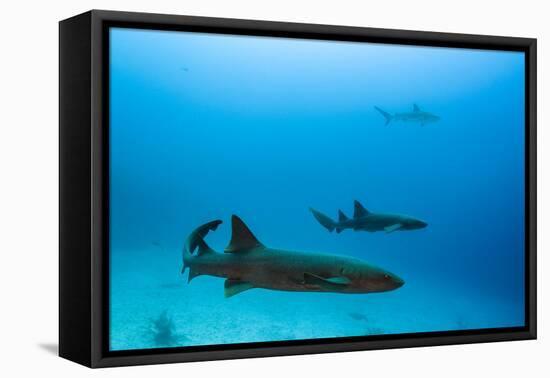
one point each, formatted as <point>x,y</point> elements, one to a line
<point>203,126</point>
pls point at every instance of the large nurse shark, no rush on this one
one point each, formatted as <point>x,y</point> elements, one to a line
<point>416,115</point>
<point>247,263</point>
<point>364,220</point>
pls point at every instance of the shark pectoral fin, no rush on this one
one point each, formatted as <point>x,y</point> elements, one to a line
<point>234,287</point>
<point>341,280</point>
<point>393,227</point>
<point>332,283</point>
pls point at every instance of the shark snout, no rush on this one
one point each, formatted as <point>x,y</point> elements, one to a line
<point>421,224</point>
<point>415,224</point>
<point>398,282</point>
<point>390,282</point>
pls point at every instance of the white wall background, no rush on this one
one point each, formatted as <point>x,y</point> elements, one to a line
<point>29,174</point>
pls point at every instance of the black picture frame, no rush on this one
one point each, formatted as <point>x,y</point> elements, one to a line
<point>84,187</point>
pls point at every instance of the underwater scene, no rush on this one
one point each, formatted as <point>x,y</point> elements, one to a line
<point>269,189</point>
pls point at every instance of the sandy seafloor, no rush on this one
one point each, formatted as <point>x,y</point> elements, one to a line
<point>202,316</point>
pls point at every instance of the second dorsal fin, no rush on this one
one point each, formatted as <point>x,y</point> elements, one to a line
<point>203,247</point>
<point>341,216</point>
<point>242,239</point>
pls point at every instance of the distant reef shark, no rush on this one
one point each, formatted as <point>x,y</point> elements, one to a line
<point>248,264</point>
<point>364,220</point>
<point>417,116</point>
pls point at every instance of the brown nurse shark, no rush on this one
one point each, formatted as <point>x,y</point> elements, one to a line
<point>247,263</point>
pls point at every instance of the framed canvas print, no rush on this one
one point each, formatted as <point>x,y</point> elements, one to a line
<point>233,188</point>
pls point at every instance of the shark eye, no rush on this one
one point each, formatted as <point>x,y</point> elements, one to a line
<point>386,276</point>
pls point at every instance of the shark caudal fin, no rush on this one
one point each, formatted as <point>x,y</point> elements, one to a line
<point>194,240</point>
<point>325,221</point>
<point>203,249</point>
<point>386,115</point>
<point>199,234</point>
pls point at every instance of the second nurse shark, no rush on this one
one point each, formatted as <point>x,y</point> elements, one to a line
<point>247,263</point>
<point>365,220</point>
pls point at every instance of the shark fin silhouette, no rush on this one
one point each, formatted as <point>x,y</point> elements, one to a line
<point>333,283</point>
<point>233,287</point>
<point>393,227</point>
<point>341,216</point>
<point>325,221</point>
<point>242,239</point>
<point>359,210</point>
<point>386,115</point>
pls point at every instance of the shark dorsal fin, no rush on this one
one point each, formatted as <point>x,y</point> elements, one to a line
<point>416,108</point>
<point>341,216</point>
<point>358,210</point>
<point>242,239</point>
<point>203,247</point>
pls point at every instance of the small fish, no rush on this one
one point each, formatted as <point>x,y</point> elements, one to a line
<point>358,316</point>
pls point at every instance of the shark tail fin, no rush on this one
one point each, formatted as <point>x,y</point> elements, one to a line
<point>325,221</point>
<point>196,239</point>
<point>203,248</point>
<point>186,257</point>
<point>386,115</point>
